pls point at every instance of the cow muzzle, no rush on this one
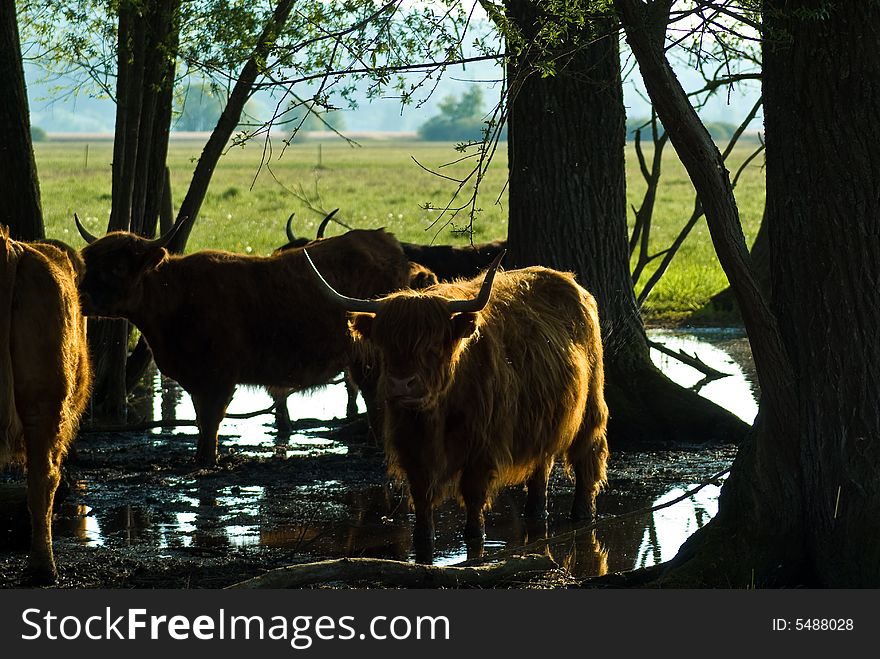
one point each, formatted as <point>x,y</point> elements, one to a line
<point>407,391</point>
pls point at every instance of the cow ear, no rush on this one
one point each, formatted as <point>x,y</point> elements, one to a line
<point>464,324</point>
<point>361,324</point>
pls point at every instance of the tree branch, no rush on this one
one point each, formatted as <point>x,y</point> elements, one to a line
<point>705,166</point>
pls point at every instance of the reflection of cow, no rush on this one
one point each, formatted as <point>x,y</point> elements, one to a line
<point>215,319</point>
<point>45,375</point>
<point>485,386</point>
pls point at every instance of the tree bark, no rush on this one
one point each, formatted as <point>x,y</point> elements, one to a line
<point>21,210</point>
<point>802,504</point>
<point>567,210</point>
<point>147,46</point>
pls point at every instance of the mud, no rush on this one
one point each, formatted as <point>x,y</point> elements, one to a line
<point>134,513</point>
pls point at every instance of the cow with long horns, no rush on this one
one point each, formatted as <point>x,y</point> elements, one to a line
<point>486,382</point>
<point>45,375</point>
<point>215,319</point>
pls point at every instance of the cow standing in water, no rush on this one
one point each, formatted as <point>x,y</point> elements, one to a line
<point>215,319</point>
<point>485,383</point>
<point>45,376</point>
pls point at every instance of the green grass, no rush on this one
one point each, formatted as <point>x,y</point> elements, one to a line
<point>375,185</point>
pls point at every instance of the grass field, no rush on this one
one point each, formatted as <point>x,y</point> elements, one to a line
<point>377,184</point>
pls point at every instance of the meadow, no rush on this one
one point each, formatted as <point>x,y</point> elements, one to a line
<point>378,183</point>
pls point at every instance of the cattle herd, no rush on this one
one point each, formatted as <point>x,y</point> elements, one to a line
<point>474,378</point>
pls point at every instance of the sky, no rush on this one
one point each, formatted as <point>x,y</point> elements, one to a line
<point>55,110</point>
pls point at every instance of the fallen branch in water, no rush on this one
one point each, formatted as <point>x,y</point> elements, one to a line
<point>398,573</point>
<point>691,360</point>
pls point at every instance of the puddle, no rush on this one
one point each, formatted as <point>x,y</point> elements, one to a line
<point>308,495</point>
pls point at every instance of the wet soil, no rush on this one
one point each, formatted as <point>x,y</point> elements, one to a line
<point>133,511</point>
<point>136,514</point>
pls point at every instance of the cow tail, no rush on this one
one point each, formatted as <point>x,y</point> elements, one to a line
<point>589,451</point>
<point>10,423</point>
<point>596,424</point>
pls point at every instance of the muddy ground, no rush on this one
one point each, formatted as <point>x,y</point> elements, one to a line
<point>134,513</point>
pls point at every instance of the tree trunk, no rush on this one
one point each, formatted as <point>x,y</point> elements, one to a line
<point>147,43</point>
<point>20,210</point>
<point>725,301</point>
<point>568,211</point>
<point>802,504</point>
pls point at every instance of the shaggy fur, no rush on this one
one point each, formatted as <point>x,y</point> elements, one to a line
<point>45,375</point>
<point>216,319</point>
<point>491,398</point>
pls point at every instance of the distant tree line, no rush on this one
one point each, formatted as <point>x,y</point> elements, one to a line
<point>463,119</point>
<point>721,131</point>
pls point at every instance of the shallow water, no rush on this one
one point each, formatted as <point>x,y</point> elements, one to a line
<point>333,513</point>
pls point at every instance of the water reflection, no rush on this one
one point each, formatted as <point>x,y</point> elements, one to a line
<point>332,519</point>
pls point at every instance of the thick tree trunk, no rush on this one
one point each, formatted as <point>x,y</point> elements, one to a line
<point>20,210</point>
<point>147,42</point>
<point>568,210</point>
<point>802,505</point>
<point>823,191</point>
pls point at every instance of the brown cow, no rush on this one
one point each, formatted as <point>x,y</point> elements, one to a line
<point>45,375</point>
<point>485,386</point>
<point>215,319</point>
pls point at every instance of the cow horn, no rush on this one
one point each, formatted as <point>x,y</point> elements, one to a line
<point>89,238</point>
<point>347,303</point>
<point>163,241</point>
<point>325,222</point>
<point>290,235</point>
<point>479,302</point>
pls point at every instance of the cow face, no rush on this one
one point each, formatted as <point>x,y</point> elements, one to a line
<point>115,267</point>
<point>420,340</point>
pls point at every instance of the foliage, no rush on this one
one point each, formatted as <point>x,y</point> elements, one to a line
<point>460,119</point>
<point>200,109</point>
<point>327,49</point>
<point>37,134</point>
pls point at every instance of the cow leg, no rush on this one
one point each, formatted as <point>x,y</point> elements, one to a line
<point>351,391</point>
<point>282,415</point>
<point>43,476</point>
<point>588,464</point>
<point>474,491</point>
<point>423,530</point>
<point>365,377</point>
<point>536,500</point>
<point>210,409</point>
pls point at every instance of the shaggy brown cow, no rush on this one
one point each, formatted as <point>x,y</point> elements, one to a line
<point>485,386</point>
<point>45,375</point>
<point>215,319</point>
